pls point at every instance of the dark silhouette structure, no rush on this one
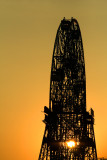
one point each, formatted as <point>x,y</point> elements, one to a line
<point>69,132</point>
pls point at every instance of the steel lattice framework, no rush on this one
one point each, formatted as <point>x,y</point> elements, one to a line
<point>66,118</point>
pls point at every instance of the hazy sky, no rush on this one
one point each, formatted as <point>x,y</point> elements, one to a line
<point>27,33</point>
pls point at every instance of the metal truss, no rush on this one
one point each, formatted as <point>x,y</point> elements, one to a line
<point>66,118</point>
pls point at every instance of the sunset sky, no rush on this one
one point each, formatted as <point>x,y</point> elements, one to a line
<point>27,34</point>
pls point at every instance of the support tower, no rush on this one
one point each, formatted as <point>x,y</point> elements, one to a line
<point>69,131</point>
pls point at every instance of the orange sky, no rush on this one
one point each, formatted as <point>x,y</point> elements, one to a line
<point>27,33</point>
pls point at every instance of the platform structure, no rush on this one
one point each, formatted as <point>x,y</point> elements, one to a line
<point>69,130</point>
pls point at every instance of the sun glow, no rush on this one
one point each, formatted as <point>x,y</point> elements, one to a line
<point>71,144</point>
